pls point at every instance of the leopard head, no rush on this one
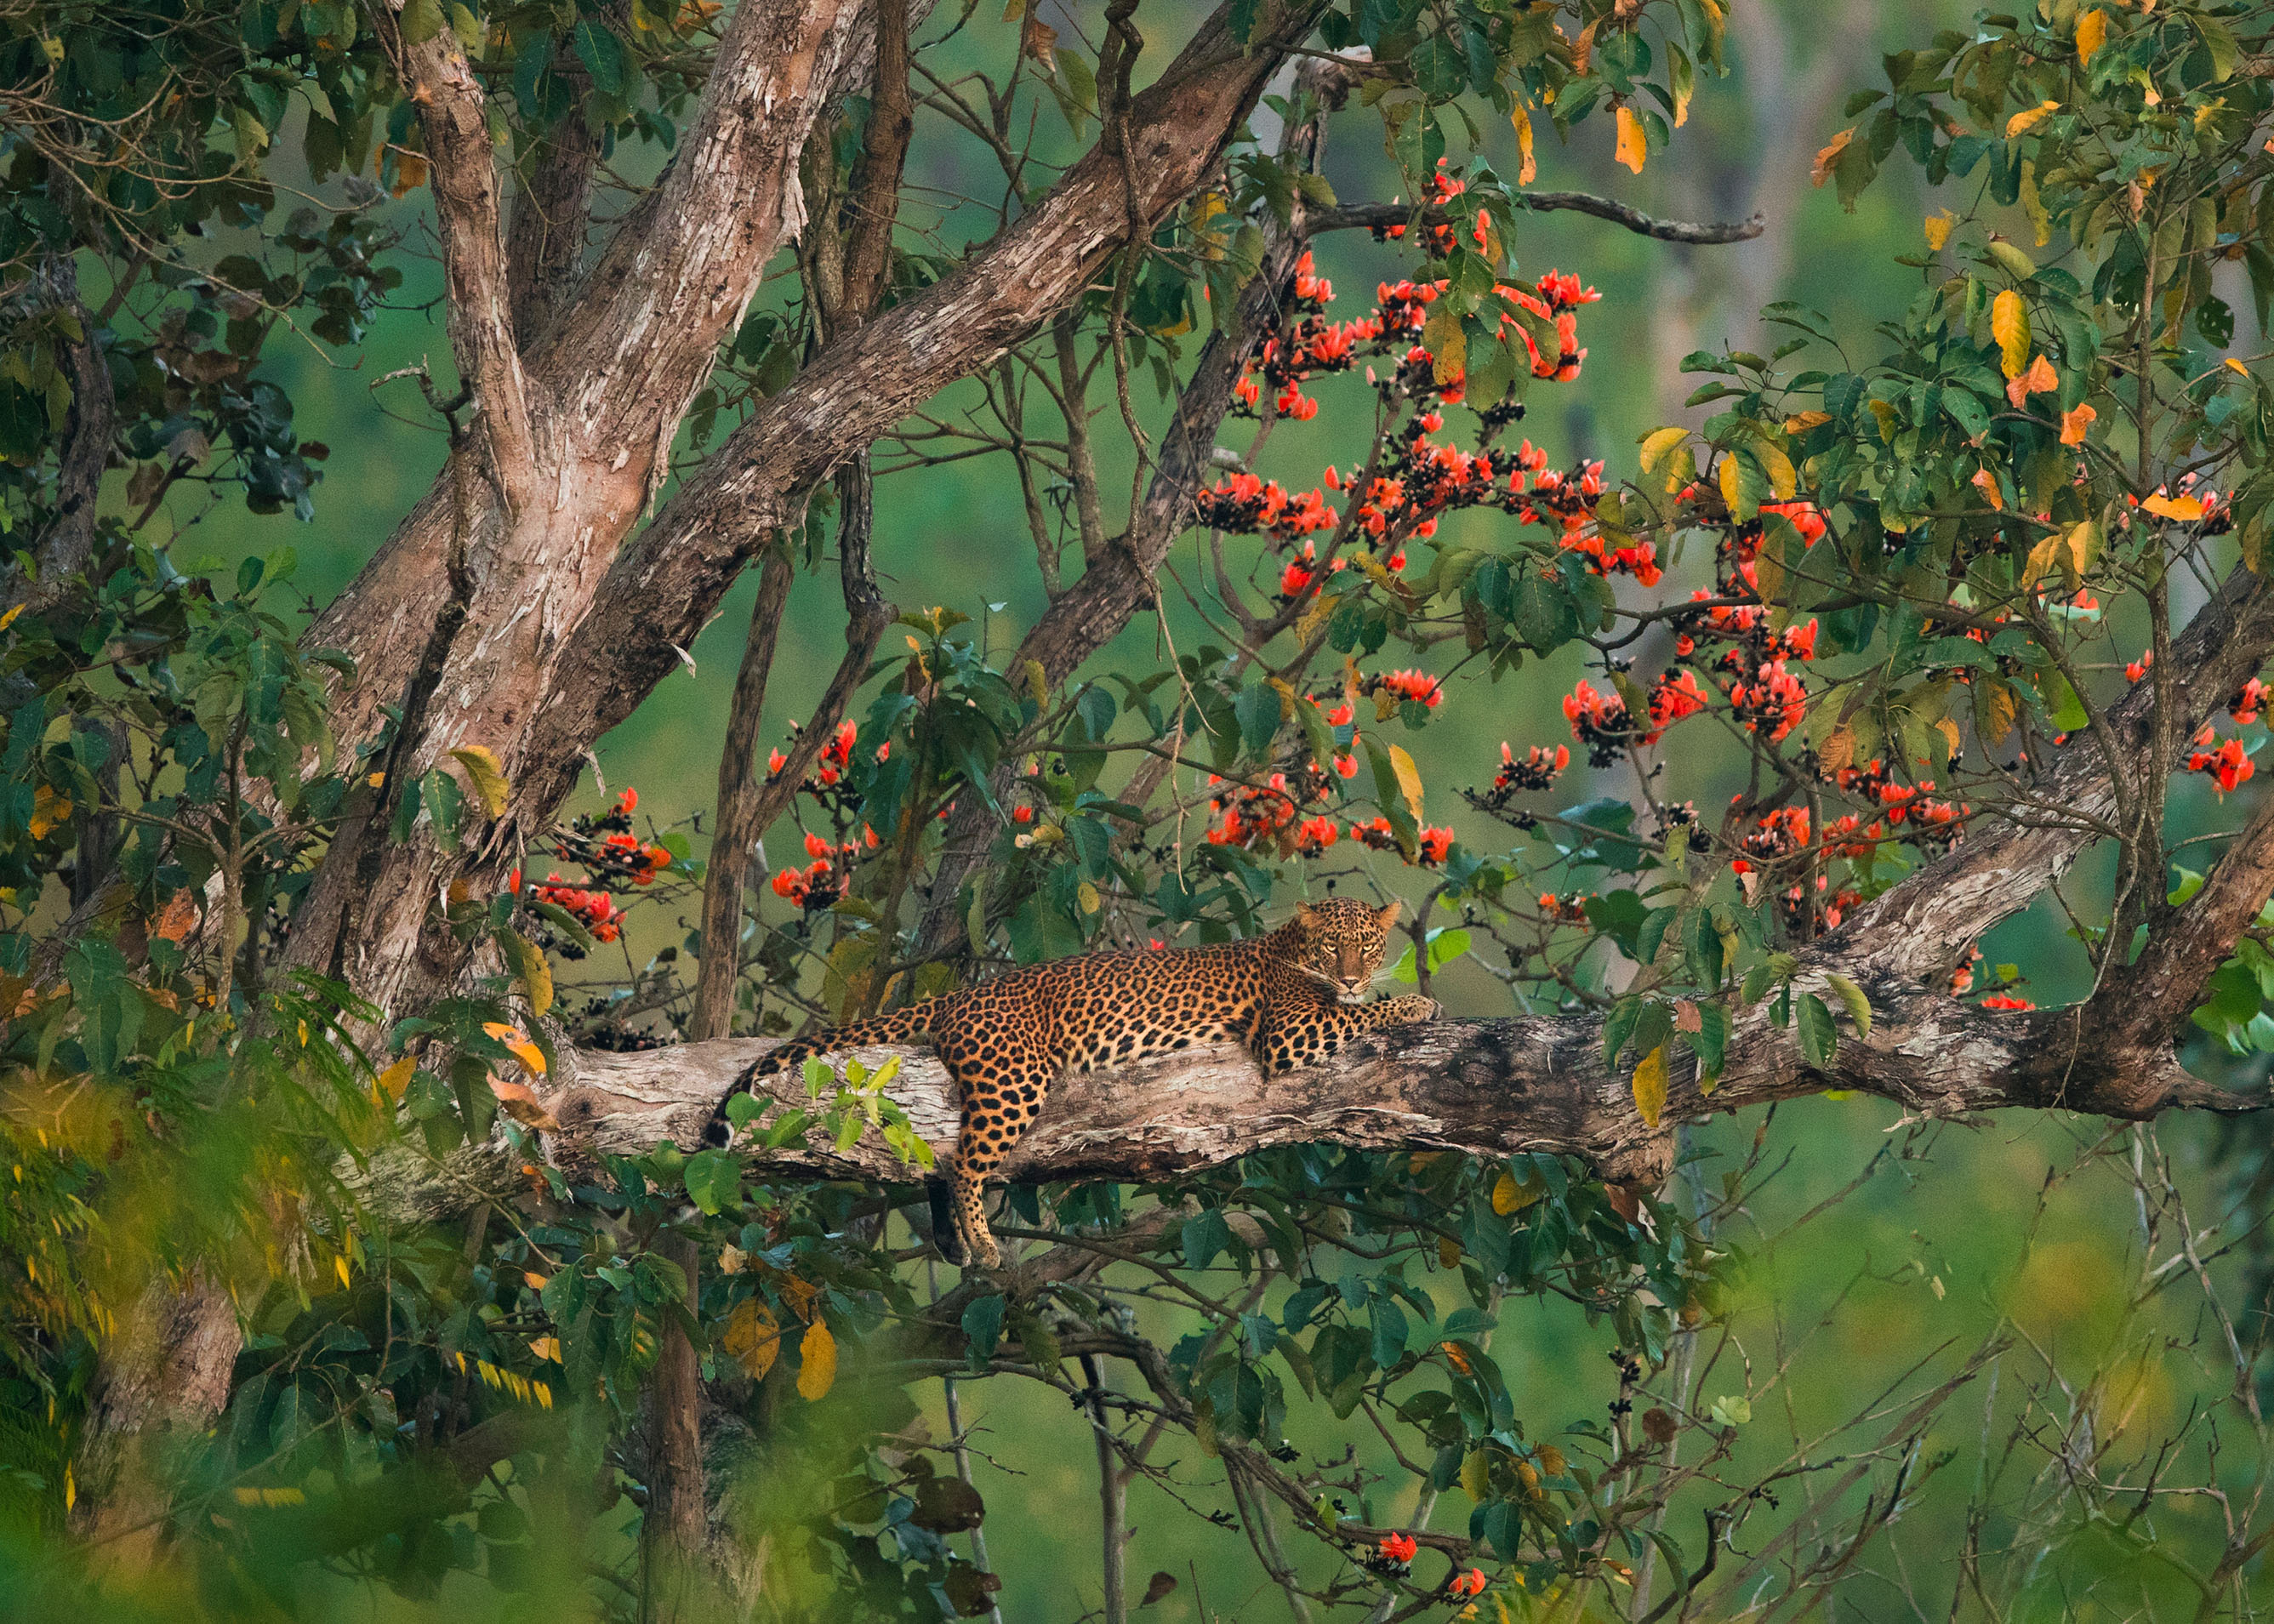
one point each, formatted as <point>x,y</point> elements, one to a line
<point>1339,944</point>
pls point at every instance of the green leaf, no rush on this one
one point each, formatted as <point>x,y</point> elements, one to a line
<point>1859,1007</point>
<point>599,49</point>
<point>1257,709</point>
<point>422,20</point>
<point>1819,1039</point>
<point>714,1182</point>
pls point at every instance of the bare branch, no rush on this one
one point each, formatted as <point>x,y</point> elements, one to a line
<point>1374,216</point>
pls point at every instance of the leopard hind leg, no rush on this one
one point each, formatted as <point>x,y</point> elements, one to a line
<point>1001,1093</point>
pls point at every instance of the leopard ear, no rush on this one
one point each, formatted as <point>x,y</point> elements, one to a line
<point>1306,915</point>
<point>1388,916</point>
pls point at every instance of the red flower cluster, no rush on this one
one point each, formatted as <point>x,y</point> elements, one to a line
<point>1554,297</point>
<point>1435,844</point>
<point>595,910</point>
<point>2248,701</point>
<point>2006,1001</point>
<point>1572,908</point>
<point>1255,814</point>
<point>1538,770</point>
<point>1399,1548</point>
<point>1780,833</point>
<point>1599,721</point>
<point>1775,698</point>
<point>1418,685</point>
<point>1674,696</point>
<point>1469,1583</point>
<point>1244,503</point>
<point>836,757</point>
<point>2229,764</point>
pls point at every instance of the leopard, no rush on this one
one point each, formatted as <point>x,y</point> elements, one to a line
<point>1291,996</point>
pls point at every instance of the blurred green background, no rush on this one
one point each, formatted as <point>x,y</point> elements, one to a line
<point>1928,1252</point>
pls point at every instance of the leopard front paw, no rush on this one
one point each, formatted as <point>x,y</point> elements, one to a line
<point>1407,1008</point>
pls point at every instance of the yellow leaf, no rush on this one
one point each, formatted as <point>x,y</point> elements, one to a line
<point>1938,230</point>
<point>70,1485</point>
<point>1508,1197</point>
<point>818,1354</point>
<point>2174,508</point>
<point>2041,558</point>
<point>2083,544</point>
<point>1088,898</point>
<point>486,777</point>
<point>1732,490</point>
<point>1828,154</point>
<point>1782,480</point>
<point>1448,1252</point>
<point>340,1267</point>
<point>9,618</point>
<point>545,1347</point>
<point>531,968</point>
<point>1527,170</point>
<point>49,811</point>
<point>1884,415</point>
<point>1999,709</point>
<point>1650,1087</point>
<point>396,1078</point>
<point>1443,337</point>
<point>2074,423</point>
<point>1951,735</point>
<point>2029,117</point>
<point>753,1338</point>
<point>2091,34</point>
<point>1409,779</point>
<point>1633,146</point>
<point>2009,325</point>
<point>1658,457</point>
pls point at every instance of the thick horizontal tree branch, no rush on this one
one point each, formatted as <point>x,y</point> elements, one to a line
<point>1380,217</point>
<point>1486,1087</point>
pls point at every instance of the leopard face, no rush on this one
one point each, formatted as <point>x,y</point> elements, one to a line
<point>1340,943</point>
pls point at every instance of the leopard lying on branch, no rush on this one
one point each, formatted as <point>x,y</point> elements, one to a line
<point>1292,997</point>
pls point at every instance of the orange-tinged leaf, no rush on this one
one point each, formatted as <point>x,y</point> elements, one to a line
<point>520,1103</point>
<point>2009,325</point>
<point>49,811</point>
<point>818,1355</point>
<point>2028,117</point>
<point>1650,1087</point>
<point>2074,422</point>
<point>2174,507</point>
<point>753,1338</point>
<point>9,618</point>
<point>1828,154</point>
<point>2091,34</point>
<point>175,918</point>
<point>1986,482</point>
<point>395,1078</point>
<point>1526,169</point>
<point>2039,379</point>
<point>545,1347</point>
<point>1938,230</point>
<point>1633,146</point>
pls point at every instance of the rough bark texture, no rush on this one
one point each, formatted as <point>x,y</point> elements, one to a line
<point>165,1374</point>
